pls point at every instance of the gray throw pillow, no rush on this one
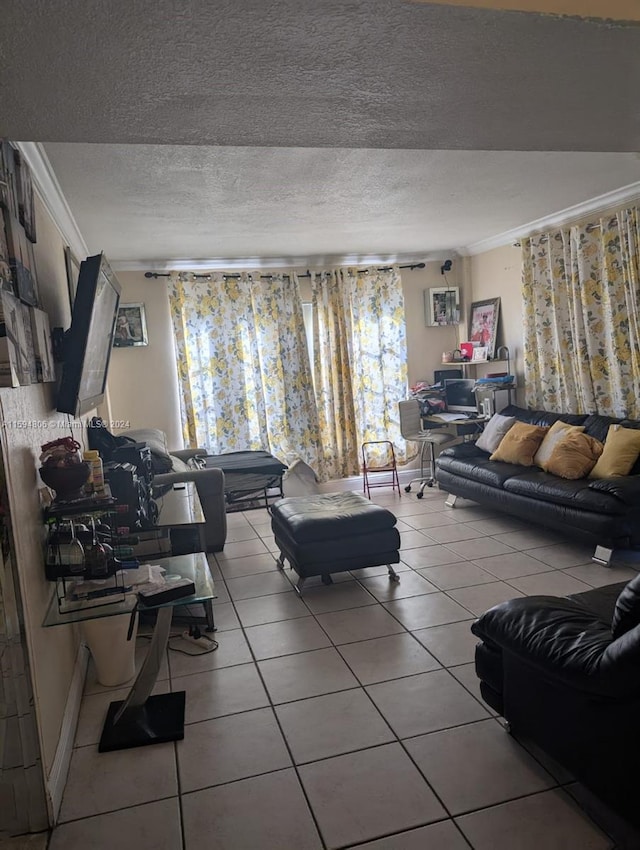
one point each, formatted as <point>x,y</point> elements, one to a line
<point>494,431</point>
<point>157,442</point>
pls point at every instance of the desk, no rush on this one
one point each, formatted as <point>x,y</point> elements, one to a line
<point>465,428</point>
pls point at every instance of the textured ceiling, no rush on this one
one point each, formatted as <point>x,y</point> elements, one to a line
<point>310,128</point>
<point>154,202</point>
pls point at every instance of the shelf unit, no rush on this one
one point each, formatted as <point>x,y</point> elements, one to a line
<point>503,355</point>
<point>98,555</point>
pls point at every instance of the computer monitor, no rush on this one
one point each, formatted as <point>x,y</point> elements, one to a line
<point>460,395</point>
<point>441,375</point>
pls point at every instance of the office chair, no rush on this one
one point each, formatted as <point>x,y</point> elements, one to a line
<point>411,429</point>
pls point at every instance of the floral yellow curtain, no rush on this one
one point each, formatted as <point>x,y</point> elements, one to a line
<point>243,365</point>
<point>360,366</point>
<point>581,296</point>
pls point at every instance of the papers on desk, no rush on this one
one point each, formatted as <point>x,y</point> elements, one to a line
<point>449,417</point>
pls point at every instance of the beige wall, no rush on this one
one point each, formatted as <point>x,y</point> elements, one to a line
<point>143,385</point>
<point>494,274</point>
<point>52,652</point>
<point>425,344</point>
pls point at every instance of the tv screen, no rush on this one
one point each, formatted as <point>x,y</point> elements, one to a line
<point>88,345</point>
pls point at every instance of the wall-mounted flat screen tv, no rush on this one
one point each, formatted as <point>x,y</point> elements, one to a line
<point>88,343</point>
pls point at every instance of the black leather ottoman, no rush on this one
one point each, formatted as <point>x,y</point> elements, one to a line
<point>334,532</point>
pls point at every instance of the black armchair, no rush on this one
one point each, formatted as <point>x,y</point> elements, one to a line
<point>565,674</point>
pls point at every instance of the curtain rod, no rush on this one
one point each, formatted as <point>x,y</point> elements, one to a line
<point>270,276</point>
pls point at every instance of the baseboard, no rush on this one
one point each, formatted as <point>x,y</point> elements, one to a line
<point>355,482</point>
<point>60,769</point>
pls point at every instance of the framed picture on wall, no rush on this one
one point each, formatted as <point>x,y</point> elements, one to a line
<point>483,324</point>
<point>131,326</point>
<point>442,306</point>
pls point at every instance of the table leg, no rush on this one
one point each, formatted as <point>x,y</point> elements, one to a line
<point>141,718</point>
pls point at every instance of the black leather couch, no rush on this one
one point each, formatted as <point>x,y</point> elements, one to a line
<point>604,511</point>
<point>565,674</point>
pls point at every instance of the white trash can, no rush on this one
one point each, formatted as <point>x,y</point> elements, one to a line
<point>113,655</point>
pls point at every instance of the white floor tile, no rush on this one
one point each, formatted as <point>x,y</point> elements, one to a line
<point>219,692</point>
<point>359,624</point>
<point>437,836</point>
<point>410,584</point>
<point>154,825</point>
<point>251,565</point>
<point>241,549</point>
<point>425,703</point>
<point>270,609</point>
<point>452,643</point>
<point>286,637</point>
<point>224,616</point>
<point>563,555</point>
<point>496,767</point>
<point>596,575</point>
<point>385,658</point>
<point>263,584</point>
<point>549,820</point>
<point>554,583</point>
<point>104,782</point>
<point>332,724</point>
<point>514,564</point>
<point>232,649</point>
<point>337,597</point>
<point>306,675</point>
<point>267,812</point>
<point>481,547</point>
<point>431,610</point>
<point>460,574</point>
<point>368,794</point>
<point>480,598</point>
<point>229,748</point>
<point>429,556</point>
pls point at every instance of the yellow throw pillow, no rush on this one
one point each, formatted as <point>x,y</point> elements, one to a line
<point>556,433</point>
<point>574,456</point>
<point>520,444</point>
<point>621,450</point>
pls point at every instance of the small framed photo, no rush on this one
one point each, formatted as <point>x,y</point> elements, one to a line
<point>479,353</point>
<point>483,325</point>
<point>442,306</point>
<point>131,326</point>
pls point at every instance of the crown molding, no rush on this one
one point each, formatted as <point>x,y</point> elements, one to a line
<point>569,215</point>
<point>46,184</point>
<point>319,261</point>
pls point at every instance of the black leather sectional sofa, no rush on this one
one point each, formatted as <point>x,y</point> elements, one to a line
<point>604,511</point>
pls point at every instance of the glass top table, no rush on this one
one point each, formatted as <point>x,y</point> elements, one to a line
<point>193,566</point>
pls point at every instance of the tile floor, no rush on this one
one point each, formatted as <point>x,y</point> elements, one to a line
<point>348,718</point>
